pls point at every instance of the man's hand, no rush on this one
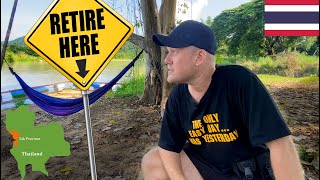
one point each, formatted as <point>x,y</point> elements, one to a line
<point>284,159</point>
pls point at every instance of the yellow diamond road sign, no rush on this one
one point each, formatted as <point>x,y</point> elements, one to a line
<point>79,38</point>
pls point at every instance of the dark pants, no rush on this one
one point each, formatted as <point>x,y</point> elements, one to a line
<point>208,172</point>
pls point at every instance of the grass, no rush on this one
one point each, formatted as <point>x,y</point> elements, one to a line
<point>269,79</point>
<point>306,156</point>
<point>135,85</point>
<point>131,87</point>
<point>291,64</point>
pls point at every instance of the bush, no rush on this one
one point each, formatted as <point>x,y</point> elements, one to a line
<point>9,57</point>
<point>253,66</point>
<point>19,57</point>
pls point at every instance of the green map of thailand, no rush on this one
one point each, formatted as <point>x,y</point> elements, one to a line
<point>34,144</point>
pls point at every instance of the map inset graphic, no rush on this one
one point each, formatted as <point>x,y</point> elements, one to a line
<point>34,144</point>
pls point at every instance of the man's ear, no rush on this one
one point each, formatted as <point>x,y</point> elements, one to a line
<point>201,56</point>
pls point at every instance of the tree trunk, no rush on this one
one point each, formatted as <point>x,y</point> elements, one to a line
<point>270,49</point>
<point>156,88</point>
<point>153,83</point>
<point>167,17</point>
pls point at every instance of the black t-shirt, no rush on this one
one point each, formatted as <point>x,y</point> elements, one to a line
<point>232,122</point>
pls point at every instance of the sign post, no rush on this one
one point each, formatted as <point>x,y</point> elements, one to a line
<point>89,133</point>
<point>79,39</point>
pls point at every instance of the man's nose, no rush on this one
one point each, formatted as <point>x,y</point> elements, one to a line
<point>167,60</point>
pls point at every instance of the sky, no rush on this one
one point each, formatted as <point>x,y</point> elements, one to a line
<point>29,11</point>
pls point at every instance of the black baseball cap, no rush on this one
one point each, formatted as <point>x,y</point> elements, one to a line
<point>189,33</point>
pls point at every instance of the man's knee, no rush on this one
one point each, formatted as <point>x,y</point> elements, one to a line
<point>151,159</point>
<point>152,167</point>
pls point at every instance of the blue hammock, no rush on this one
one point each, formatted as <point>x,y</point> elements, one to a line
<point>65,107</point>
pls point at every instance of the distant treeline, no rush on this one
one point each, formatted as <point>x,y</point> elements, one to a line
<point>16,48</point>
<point>18,51</point>
<point>240,32</point>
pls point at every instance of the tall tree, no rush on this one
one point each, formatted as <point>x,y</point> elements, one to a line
<point>153,82</point>
<point>239,31</point>
<point>156,86</point>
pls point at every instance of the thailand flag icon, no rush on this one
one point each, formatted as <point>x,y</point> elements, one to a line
<point>291,18</point>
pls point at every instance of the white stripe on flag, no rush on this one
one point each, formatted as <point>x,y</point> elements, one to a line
<point>291,8</point>
<point>291,27</point>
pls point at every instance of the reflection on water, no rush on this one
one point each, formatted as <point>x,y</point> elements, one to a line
<point>42,74</point>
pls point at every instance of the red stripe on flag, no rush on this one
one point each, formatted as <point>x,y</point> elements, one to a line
<point>291,33</point>
<point>291,2</point>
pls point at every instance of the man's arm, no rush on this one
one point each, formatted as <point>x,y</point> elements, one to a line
<point>172,163</point>
<point>284,159</point>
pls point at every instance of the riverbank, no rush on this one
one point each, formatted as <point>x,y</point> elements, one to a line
<point>124,129</point>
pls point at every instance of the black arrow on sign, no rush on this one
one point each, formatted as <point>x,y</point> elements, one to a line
<point>82,67</point>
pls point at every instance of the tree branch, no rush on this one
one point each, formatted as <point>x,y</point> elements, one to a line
<point>137,40</point>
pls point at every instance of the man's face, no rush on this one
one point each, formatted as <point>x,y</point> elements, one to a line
<point>181,64</point>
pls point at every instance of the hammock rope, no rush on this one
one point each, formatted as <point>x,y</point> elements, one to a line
<point>65,107</point>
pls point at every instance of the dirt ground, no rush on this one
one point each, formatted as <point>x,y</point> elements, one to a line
<point>124,129</point>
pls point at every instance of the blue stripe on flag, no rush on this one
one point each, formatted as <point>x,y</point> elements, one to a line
<point>291,17</point>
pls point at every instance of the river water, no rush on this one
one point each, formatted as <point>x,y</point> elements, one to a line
<point>42,74</point>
